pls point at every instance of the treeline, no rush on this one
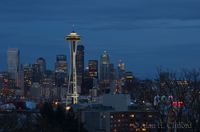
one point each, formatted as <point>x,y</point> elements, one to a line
<point>47,120</point>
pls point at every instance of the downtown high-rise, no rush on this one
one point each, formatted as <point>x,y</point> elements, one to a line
<point>93,68</point>
<point>13,62</point>
<point>80,64</point>
<point>105,68</point>
<point>62,65</point>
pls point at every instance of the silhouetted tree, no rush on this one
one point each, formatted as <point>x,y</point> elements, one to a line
<point>59,120</point>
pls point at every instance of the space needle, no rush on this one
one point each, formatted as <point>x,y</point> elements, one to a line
<point>73,39</point>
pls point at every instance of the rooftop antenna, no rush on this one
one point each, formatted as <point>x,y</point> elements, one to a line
<point>73,28</point>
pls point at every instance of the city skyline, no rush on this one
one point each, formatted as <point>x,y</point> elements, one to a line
<point>143,34</point>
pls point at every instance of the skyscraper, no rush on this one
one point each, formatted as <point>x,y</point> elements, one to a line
<point>47,83</point>
<point>13,62</point>
<point>59,78</point>
<point>11,87</point>
<point>35,90</point>
<point>118,80</point>
<point>4,76</point>
<point>104,68</point>
<point>93,68</point>
<point>61,64</point>
<point>86,84</point>
<point>42,63</point>
<point>112,72</point>
<point>36,72</point>
<point>25,65</point>
<point>122,66</point>
<point>61,58</point>
<point>28,80</point>
<point>80,63</point>
<point>20,81</point>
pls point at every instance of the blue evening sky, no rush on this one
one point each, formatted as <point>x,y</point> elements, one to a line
<point>144,34</point>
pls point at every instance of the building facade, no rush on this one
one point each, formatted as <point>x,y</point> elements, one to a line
<point>105,68</point>
<point>42,64</point>
<point>28,80</point>
<point>80,63</point>
<point>61,64</point>
<point>93,68</point>
<point>13,62</point>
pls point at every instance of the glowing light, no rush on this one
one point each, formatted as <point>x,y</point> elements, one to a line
<point>67,108</point>
<point>179,103</point>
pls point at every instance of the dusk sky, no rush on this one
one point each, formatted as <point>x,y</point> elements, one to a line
<point>144,34</point>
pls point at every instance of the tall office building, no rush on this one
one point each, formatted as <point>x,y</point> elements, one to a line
<point>105,68</point>
<point>118,80</point>
<point>13,62</point>
<point>4,76</point>
<point>11,87</point>
<point>25,65</point>
<point>118,73</point>
<point>80,63</point>
<point>28,80</point>
<point>42,63</point>
<point>86,84</point>
<point>93,68</point>
<point>129,77</point>
<point>122,66</point>
<point>61,64</point>
<point>112,72</point>
<point>36,72</point>
<point>61,58</point>
<point>59,78</point>
<point>47,84</point>
<point>20,81</point>
<point>35,90</point>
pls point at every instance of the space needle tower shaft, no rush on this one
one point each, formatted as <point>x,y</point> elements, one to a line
<point>73,39</point>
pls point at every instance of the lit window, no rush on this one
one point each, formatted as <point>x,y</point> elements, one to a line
<point>115,130</point>
<point>119,120</point>
<point>122,115</point>
<point>143,125</point>
<point>132,115</point>
<point>104,116</point>
<point>143,129</point>
<point>115,125</point>
<point>111,116</point>
<point>150,116</point>
<point>138,129</point>
<point>131,125</point>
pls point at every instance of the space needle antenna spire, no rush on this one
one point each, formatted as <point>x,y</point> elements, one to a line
<point>72,93</point>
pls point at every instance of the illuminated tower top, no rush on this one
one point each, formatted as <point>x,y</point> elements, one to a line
<point>73,36</point>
